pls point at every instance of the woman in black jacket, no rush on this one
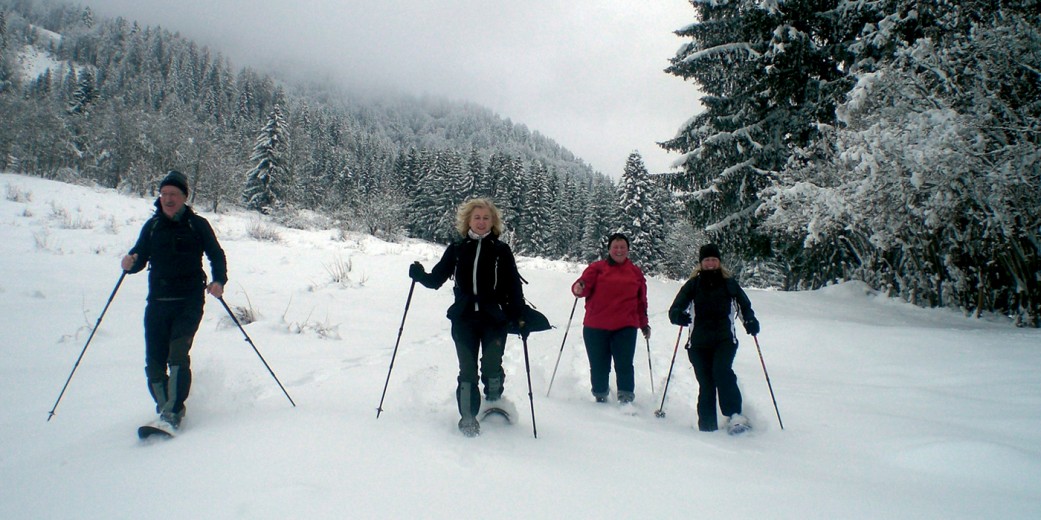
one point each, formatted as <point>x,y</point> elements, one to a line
<point>488,297</point>
<point>717,298</point>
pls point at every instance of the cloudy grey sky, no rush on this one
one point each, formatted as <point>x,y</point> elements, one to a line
<point>586,73</point>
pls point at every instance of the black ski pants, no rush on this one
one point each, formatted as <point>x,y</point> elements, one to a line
<point>605,346</point>
<point>478,338</point>
<point>714,368</point>
<point>170,327</point>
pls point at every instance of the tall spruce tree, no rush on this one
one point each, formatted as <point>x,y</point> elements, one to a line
<point>536,216</point>
<point>86,92</point>
<point>268,182</point>
<point>601,218</point>
<point>641,217</point>
<point>454,181</point>
<point>771,73</point>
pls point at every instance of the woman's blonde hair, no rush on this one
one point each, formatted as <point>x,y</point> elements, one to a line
<point>726,272</point>
<point>466,210</point>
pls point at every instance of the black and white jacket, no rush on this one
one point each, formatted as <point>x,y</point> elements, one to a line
<point>486,279</point>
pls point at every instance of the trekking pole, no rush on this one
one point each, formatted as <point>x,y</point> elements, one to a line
<point>84,351</point>
<point>531,398</point>
<point>566,329</point>
<point>768,385</point>
<point>650,371</point>
<point>250,341</point>
<point>408,301</point>
<point>660,412</point>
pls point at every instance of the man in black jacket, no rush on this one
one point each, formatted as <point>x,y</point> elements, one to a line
<point>172,243</point>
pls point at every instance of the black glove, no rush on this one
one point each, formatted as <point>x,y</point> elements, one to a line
<point>752,327</point>
<point>416,271</point>
<point>646,330</point>
<point>680,318</point>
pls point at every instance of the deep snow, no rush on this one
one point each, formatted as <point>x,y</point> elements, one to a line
<point>890,411</point>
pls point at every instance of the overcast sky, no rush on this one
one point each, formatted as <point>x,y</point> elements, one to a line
<point>586,73</point>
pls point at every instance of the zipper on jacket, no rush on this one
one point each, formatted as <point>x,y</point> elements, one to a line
<point>477,256</point>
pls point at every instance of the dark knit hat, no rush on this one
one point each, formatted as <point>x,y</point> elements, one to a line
<point>617,236</point>
<point>176,179</point>
<point>709,251</point>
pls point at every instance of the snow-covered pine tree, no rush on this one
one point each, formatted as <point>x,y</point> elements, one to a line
<point>639,201</point>
<point>536,215</point>
<point>771,72</point>
<point>493,171</point>
<point>475,171</point>
<point>555,223</point>
<point>570,208</point>
<point>423,207</point>
<point>87,18</point>
<point>929,188</point>
<point>267,183</point>
<point>601,218</point>
<point>509,196</point>
<point>455,188</point>
<point>6,76</point>
<point>86,92</point>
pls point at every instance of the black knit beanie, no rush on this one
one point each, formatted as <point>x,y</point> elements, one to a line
<point>617,236</point>
<point>176,179</point>
<point>709,251</point>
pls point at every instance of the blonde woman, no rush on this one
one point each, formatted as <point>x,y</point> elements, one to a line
<point>716,298</point>
<point>488,297</point>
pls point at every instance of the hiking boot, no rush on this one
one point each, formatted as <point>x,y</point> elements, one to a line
<point>173,419</point>
<point>493,389</point>
<point>626,397</point>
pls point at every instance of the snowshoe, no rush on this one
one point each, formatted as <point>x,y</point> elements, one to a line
<point>501,407</point>
<point>158,428</point>
<point>738,424</point>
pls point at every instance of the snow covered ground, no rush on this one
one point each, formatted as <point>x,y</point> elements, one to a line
<point>890,411</point>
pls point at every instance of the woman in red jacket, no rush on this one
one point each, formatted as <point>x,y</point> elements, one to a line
<point>616,306</point>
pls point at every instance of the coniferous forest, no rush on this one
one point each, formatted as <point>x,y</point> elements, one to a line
<point>124,103</point>
<point>894,142</point>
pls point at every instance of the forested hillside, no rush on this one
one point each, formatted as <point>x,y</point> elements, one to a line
<point>118,104</point>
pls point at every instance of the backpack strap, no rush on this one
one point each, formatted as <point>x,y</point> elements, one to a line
<point>188,218</point>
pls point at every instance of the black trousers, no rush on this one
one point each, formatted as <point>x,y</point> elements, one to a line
<point>605,346</point>
<point>714,368</point>
<point>477,338</point>
<point>170,328</point>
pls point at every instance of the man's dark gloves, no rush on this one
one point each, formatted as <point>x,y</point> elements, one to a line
<point>416,271</point>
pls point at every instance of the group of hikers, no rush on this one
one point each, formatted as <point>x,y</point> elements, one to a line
<point>489,301</point>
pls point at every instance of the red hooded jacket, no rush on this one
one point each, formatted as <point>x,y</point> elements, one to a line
<point>616,295</point>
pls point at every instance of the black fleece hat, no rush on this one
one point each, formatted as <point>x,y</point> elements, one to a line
<point>617,236</point>
<point>709,251</point>
<point>176,179</point>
